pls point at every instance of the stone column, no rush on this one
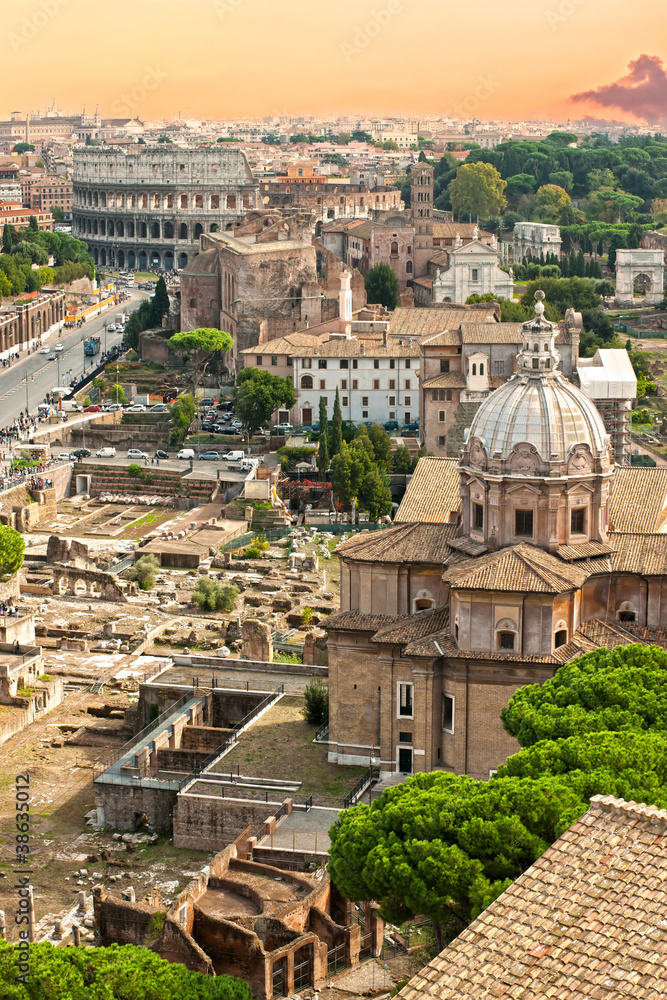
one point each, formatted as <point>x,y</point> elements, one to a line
<point>3,926</point>
<point>76,935</point>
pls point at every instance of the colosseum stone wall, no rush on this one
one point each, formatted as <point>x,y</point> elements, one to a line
<point>147,206</point>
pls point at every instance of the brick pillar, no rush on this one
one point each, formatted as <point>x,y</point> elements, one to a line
<point>289,985</point>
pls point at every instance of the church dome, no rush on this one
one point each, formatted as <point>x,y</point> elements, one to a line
<point>538,423</point>
<point>548,413</point>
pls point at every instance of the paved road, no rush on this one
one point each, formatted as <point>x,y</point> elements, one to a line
<point>43,375</point>
<point>207,470</point>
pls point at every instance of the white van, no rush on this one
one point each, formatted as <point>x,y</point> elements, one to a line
<point>233,456</point>
<point>186,453</point>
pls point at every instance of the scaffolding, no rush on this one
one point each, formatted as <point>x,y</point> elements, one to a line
<point>609,380</point>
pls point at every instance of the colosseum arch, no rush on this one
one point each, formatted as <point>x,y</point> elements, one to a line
<point>155,230</point>
<point>103,256</point>
<point>168,230</point>
<point>199,229</point>
<point>120,228</point>
<point>142,231</point>
<point>129,229</point>
<point>110,228</point>
<point>155,258</point>
<point>182,260</point>
<point>131,259</point>
<point>183,231</point>
<point>168,260</point>
<point>143,260</point>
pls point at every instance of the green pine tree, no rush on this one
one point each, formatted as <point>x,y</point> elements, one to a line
<point>337,434</point>
<point>7,238</point>
<point>159,303</point>
<point>581,264</point>
<point>600,249</point>
<point>564,266</point>
<point>323,450</point>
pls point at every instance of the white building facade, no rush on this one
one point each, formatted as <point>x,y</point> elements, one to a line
<point>473,270</point>
<point>535,239</point>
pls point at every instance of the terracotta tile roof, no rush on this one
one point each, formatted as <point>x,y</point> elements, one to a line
<point>356,621</point>
<point>602,632</point>
<point>424,623</point>
<point>447,380</point>
<point>433,494</point>
<point>289,344</point>
<point>639,553</point>
<point>495,381</point>
<point>443,230</point>
<point>491,333</point>
<point>440,257</point>
<point>585,922</point>
<point>583,550</point>
<point>407,321</point>
<point>446,338</point>
<point>356,347</point>
<point>407,543</point>
<point>518,569</point>
<point>639,499</point>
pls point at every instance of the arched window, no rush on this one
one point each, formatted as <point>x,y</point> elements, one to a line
<point>199,229</point>
<point>408,267</point>
<point>448,395</point>
<point>193,303</point>
<point>183,231</point>
<point>474,369</point>
<point>536,347</point>
<point>155,230</point>
<point>481,369</point>
<point>394,249</point>
<point>560,638</point>
<point>306,381</point>
<point>627,612</point>
<point>184,201</point>
<point>199,201</point>
<point>546,347</point>
<point>168,231</point>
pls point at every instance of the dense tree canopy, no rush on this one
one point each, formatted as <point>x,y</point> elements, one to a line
<point>608,689</point>
<point>382,286</point>
<point>258,394</point>
<point>114,973</point>
<point>200,347</point>
<point>12,547</point>
<point>477,190</point>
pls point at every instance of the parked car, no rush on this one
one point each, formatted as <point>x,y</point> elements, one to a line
<point>236,424</point>
<point>44,350</point>
<point>218,428</point>
<point>210,456</point>
<point>106,453</point>
<point>114,407</point>
<point>207,402</point>
<point>285,428</point>
<point>58,348</point>
<point>186,453</point>
<point>159,408</point>
<point>414,426</point>
<point>391,425</point>
<point>80,453</point>
<point>93,408</point>
<point>136,453</point>
<point>136,408</point>
<point>161,454</point>
<point>64,456</point>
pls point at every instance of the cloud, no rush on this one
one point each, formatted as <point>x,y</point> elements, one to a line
<point>643,92</point>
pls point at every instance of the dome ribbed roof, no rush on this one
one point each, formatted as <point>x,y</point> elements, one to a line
<point>547,412</point>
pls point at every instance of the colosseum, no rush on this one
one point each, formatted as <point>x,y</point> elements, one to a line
<point>148,206</point>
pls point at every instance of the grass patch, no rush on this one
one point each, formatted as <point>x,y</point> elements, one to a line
<point>280,745</point>
<point>280,657</point>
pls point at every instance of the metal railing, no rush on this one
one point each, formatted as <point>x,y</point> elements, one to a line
<point>114,757</point>
<point>363,783</point>
<point>322,734</point>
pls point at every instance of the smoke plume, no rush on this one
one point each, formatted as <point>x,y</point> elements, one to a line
<point>643,92</point>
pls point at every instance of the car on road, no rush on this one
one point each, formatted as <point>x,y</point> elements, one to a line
<point>159,408</point>
<point>44,350</point>
<point>136,408</point>
<point>64,456</point>
<point>280,428</point>
<point>162,455</point>
<point>210,456</point>
<point>114,407</point>
<point>80,453</point>
<point>58,348</point>
<point>136,453</point>
<point>186,453</point>
<point>52,357</point>
<point>93,408</point>
<point>106,453</point>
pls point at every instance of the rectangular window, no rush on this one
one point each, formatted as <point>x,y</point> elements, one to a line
<point>364,414</point>
<point>344,363</point>
<point>392,400</point>
<point>343,383</point>
<point>344,401</point>
<point>578,521</point>
<point>506,640</point>
<point>323,384</point>
<point>307,363</point>
<point>259,359</point>
<point>289,362</point>
<point>478,516</point>
<point>325,400</point>
<point>442,416</point>
<point>444,365</point>
<point>274,360</point>
<point>392,415</point>
<point>364,400</point>
<point>475,274</point>
<point>498,367</point>
<point>442,440</point>
<point>392,383</point>
<point>408,363</point>
<point>407,401</point>
<point>524,523</point>
<point>405,692</point>
<point>376,383</point>
<point>322,363</point>
<point>355,383</point>
<point>448,713</point>
<point>355,363</point>
<point>392,363</point>
<point>405,737</point>
<point>376,363</point>
<point>407,383</point>
<point>536,363</point>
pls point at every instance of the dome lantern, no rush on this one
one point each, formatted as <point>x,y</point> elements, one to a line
<point>538,355</point>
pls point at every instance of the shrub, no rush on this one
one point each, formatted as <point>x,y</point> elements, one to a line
<point>214,595</point>
<point>316,709</point>
<point>307,616</point>
<point>144,572</point>
<point>253,552</point>
<point>135,471</point>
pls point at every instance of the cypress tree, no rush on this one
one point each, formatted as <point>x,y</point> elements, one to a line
<point>564,266</point>
<point>580,265</point>
<point>337,435</point>
<point>7,238</point>
<point>600,248</point>
<point>573,262</point>
<point>159,303</point>
<point>323,450</point>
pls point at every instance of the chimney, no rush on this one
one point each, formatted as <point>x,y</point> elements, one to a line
<point>384,337</point>
<point>345,297</point>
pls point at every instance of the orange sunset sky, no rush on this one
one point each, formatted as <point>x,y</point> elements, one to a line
<point>234,58</point>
